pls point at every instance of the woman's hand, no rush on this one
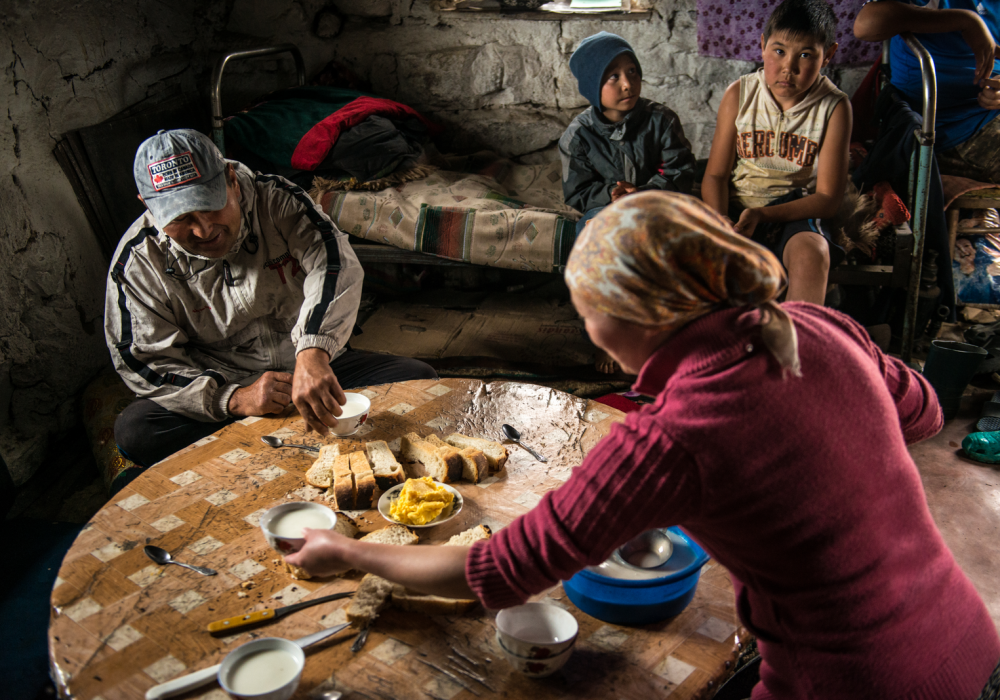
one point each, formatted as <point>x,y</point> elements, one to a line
<point>324,553</point>
<point>748,222</point>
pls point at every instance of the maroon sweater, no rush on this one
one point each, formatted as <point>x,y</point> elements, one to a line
<point>802,488</point>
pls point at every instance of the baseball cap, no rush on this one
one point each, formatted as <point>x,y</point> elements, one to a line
<point>178,172</point>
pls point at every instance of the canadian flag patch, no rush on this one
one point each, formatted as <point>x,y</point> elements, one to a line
<point>173,171</point>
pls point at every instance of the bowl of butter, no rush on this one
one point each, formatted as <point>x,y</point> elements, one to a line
<point>420,503</point>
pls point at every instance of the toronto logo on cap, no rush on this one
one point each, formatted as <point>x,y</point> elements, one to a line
<point>173,171</point>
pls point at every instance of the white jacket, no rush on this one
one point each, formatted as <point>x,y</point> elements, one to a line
<point>187,331</point>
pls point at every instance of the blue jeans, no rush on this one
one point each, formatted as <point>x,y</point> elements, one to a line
<point>587,216</point>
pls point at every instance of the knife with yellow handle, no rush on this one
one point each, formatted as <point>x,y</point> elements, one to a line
<point>261,617</point>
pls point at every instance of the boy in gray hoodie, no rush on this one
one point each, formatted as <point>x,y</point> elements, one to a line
<point>623,143</point>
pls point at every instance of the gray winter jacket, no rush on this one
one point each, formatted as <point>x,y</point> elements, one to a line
<point>187,331</point>
<point>646,148</point>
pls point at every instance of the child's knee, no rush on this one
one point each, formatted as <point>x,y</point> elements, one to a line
<point>807,250</point>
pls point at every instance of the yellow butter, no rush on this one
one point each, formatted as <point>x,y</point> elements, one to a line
<point>420,501</point>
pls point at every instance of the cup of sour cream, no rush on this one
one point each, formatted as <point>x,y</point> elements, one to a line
<point>263,669</point>
<point>283,525</point>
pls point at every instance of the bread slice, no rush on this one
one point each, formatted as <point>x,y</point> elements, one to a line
<point>343,492</point>
<point>429,460</point>
<point>369,600</point>
<point>364,481</point>
<point>496,454</point>
<point>388,472</point>
<point>320,474</point>
<point>393,534</point>
<point>475,466</point>
<point>438,605</point>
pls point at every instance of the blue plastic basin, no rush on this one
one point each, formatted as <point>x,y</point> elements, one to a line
<point>627,602</point>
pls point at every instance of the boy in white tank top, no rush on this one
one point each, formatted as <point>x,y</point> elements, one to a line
<point>778,164</point>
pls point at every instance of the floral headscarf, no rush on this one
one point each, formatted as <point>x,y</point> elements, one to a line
<point>663,259</point>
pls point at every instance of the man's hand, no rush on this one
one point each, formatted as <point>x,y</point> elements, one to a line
<point>977,36</point>
<point>989,96</point>
<point>621,189</point>
<point>322,554</point>
<point>271,393</point>
<point>748,222</point>
<point>316,391</point>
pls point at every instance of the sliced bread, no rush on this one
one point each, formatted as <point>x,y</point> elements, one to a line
<point>393,534</point>
<point>473,534</point>
<point>388,472</point>
<point>369,600</point>
<point>475,466</point>
<point>496,454</point>
<point>343,491</point>
<point>364,481</point>
<point>426,459</point>
<point>320,474</point>
<point>348,526</point>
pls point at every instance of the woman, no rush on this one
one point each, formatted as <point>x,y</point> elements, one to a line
<point>811,500</point>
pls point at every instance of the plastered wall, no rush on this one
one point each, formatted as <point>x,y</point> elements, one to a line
<point>494,82</point>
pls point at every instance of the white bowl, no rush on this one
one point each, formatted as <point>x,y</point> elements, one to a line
<point>387,497</point>
<point>355,413</point>
<point>263,669</point>
<point>536,630</point>
<point>536,668</point>
<point>281,523</point>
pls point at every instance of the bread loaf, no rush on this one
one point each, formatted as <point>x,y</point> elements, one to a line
<point>343,491</point>
<point>496,454</point>
<point>364,481</point>
<point>428,460</point>
<point>388,472</point>
<point>475,466</point>
<point>320,474</point>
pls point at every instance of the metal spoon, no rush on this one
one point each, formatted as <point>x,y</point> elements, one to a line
<point>511,433</point>
<point>162,557</point>
<point>272,441</point>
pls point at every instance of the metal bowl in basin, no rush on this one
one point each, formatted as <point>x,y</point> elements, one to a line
<point>624,594</point>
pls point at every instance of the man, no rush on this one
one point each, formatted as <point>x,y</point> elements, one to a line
<point>961,38</point>
<point>233,295</point>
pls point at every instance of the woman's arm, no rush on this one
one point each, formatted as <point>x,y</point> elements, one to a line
<point>878,21</point>
<point>722,157</point>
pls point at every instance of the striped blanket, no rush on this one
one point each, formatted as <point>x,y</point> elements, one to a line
<point>482,209</point>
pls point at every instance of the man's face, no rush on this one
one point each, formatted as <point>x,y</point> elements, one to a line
<point>210,233</point>
<point>792,64</point>
<point>620,88</point>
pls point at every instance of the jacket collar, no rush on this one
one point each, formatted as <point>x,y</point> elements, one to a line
<point>714,340</point>
<point>616,131</point>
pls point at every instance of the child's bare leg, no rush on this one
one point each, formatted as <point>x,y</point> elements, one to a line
<point>807,259</point>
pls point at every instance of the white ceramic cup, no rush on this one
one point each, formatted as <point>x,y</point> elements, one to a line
<point>537,632</point>
<point>536,668</point>
<point>355,413</point>
<point>263,669</point>
<point>282,525</point>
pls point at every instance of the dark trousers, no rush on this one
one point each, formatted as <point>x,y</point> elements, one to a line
<point>147,433</point>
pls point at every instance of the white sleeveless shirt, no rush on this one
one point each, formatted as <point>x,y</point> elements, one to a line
<point>776,151</point>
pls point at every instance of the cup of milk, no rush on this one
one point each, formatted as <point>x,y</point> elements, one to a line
<point>263,669</point>
<point>355,413</point>
<point>283,525</point>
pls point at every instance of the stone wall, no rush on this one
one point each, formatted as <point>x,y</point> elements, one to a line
<point>496,82</point>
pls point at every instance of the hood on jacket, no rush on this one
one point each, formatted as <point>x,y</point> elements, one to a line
<point>592,57</point>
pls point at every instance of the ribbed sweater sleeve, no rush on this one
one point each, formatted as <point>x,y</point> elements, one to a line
<point>634,479</point>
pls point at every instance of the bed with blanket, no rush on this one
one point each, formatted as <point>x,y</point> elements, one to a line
<point>371,166</point>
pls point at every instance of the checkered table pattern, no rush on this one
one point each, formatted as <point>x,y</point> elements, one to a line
<point>121,624</point>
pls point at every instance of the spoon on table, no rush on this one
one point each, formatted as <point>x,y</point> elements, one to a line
<point>162,557</point>
<point>512,434</point>
<point>272,441</point>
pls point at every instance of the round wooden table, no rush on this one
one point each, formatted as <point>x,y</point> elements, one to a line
<point>121,624</point>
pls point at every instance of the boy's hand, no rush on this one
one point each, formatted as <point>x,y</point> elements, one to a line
<point>323,553</point>
<point>748,222</point>
<point>621,189</point>
<point>989,95</point>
